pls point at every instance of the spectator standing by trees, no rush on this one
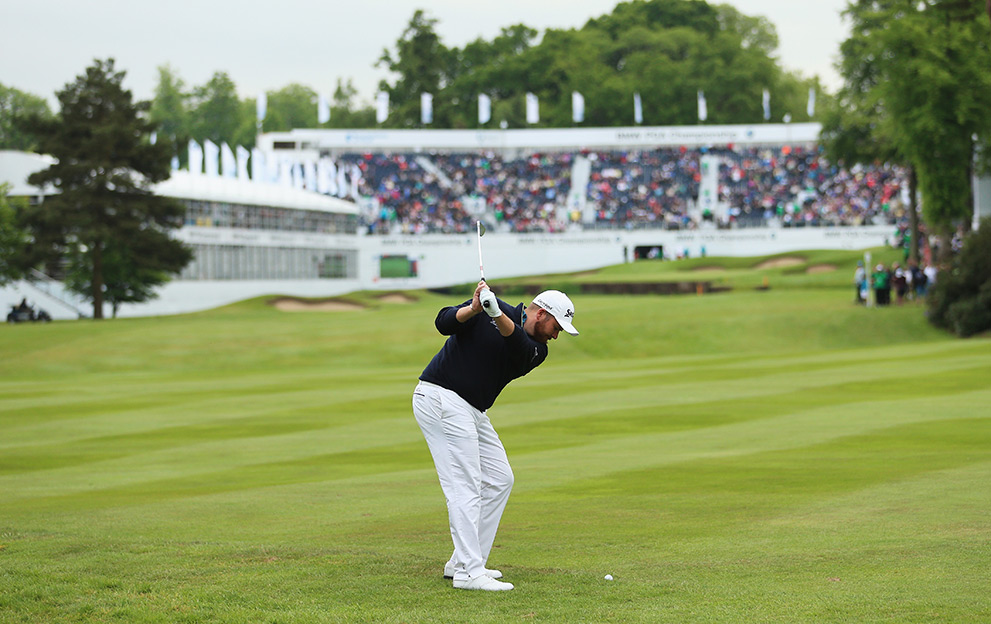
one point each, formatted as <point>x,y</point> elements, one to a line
<point>860,283</point>
<point>882,285</point>
<point>899,280</point>
<point>918,280</point>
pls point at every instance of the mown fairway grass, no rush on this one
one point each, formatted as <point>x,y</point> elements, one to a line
<point>777,456</point>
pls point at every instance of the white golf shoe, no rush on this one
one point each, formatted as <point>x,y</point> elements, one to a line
<point>449,572</point>
<point>482,583</point>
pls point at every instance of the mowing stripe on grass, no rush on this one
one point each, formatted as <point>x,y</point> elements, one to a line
<point>787,457</point>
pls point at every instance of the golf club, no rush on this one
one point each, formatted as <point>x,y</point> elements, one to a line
<point>481,232</point>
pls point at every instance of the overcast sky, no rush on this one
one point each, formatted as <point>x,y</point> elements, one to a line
<point>268,45</point>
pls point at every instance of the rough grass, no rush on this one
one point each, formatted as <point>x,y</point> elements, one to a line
<point>776,456</point>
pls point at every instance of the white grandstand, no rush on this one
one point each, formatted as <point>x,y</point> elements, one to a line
<point>255,238</point>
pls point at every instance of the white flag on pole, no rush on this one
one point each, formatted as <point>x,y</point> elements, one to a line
<point>195,157</point>
<point>310,175</point>
<point>297,176</point>
<point>211,158</point>
<point>532,108</point>
<point>259,170</point>
<point>637,109</point>
<point>323,109</point>
<point>426,108</point>
<point>355,181</point>
<point>331,177</point>
<point>381,106</point>
<point>242,163</point>
<point>261,106</point>
<point>703,108</point>
<point>577,107</point>
<point>285,172</point>
<point>342,182</point>
<point>484,108</point>
<point>811,107</point>
<point>273,168</point>
<point>323,176</point>
<point>767,104</point>
<point>228,164</point>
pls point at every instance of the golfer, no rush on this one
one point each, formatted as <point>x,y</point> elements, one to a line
<point>490,344</point>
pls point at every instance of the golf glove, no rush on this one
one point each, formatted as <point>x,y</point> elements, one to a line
<point>489,303</point>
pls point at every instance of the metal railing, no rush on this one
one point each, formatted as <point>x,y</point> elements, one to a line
<point>57,290</point>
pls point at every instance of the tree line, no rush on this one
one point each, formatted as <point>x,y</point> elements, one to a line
<point>665,50</point>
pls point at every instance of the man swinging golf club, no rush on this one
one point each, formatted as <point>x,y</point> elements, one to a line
<point>489,344</point>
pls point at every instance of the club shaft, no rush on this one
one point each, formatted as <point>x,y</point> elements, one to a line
<point>481,269</point>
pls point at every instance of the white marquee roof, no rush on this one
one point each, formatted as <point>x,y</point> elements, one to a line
<point>15,167</point>
<point>186,185</point>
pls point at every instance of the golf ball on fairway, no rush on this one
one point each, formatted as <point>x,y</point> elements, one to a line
<point>609,577</point>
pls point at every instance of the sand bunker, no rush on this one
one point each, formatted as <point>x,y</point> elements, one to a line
<point>396,298</point>
<point>821,268</point>
<point>778,263</point>
<point>290,304</point>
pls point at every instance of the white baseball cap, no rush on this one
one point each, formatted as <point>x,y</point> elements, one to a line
<point>560,307</point>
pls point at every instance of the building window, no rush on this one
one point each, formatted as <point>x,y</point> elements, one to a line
<point>243,262</point>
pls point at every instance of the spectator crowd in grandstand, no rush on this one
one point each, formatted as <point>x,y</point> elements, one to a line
<point>791,187</point>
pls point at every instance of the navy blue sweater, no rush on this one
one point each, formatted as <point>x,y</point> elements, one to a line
<point>476,362</point>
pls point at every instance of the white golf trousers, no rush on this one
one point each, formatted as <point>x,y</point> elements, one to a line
<point>473,469</point>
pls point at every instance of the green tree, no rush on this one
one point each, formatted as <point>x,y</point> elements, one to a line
<point>170,111</point>
<point>13,240</point>
<point>247,127</point>
<point>15,107</point>
<point>345,112</point>
<point>961,299</point>
<point>105,214</point>
<point>755,32</point>
<point>132,267</point>
<point>855,130</point>
<point>422,64</point>
<point>219,115</point>
<point>921,70</point>
<point>484,67</point>
<point>565,61</point>
<point>292,106</point>
<point>667,50</point>
<point>695,15</point>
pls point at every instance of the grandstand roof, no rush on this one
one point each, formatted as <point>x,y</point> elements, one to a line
<point>186,185</point>
<point>539,138</point>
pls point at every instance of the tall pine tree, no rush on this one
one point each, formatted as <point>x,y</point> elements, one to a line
<point>105,220</point>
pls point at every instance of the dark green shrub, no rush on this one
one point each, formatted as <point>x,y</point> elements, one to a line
<point>961,299</point>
